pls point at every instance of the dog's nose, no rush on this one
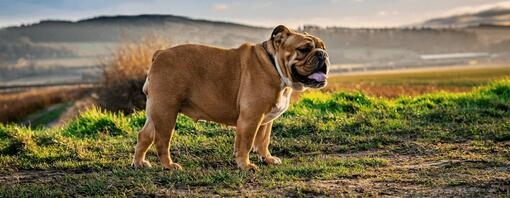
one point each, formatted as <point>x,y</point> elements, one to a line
<point>321,55</point>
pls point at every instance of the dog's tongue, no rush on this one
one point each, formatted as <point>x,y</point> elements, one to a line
<point>319,76</point>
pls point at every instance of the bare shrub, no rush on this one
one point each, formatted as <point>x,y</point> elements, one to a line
<point>124,74</point>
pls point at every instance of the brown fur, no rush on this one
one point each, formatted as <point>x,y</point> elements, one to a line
<point>237,87</point>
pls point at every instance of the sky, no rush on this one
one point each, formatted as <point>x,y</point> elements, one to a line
<point>293,13</point>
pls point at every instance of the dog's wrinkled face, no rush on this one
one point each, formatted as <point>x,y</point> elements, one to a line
<point>303,56</point>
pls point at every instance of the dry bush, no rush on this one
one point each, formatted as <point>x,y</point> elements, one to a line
<point>124,74</point>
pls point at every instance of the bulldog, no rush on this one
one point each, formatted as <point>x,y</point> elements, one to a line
<point>246,87</point>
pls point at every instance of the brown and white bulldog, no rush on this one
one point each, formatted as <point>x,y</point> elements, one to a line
<point>247,87</point>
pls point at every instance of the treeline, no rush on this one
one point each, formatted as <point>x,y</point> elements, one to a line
<point>418,40</point>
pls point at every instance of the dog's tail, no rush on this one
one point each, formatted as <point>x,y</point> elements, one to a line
<point>145,88</point>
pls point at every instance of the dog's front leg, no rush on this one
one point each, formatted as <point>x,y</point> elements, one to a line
<point>247,127</point>
<point>261,144</point>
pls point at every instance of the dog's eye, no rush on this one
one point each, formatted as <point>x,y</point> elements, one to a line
<point>304,50</point>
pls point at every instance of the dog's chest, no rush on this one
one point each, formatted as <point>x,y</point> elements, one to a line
<point>281,105</point>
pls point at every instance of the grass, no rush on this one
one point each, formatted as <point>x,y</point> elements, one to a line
<point>341,143</point>
<point>43,117</point>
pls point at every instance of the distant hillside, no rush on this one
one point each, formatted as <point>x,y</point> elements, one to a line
<point>83,43</point>
<point>63,39</point>
<point>118,28</point>
<point>494,16</point>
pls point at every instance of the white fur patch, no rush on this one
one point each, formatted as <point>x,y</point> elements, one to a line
<point>281,105</point>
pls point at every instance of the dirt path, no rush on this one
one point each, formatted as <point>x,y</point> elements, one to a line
<point>71,112</point>
<point>397,179</point>
<point>31,176</point>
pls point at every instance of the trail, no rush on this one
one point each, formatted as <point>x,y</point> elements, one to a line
<point>404,166</point>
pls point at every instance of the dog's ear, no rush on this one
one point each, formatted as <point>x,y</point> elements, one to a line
<point>280,33</point>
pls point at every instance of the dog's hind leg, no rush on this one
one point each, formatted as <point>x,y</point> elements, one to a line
<point>145,135</point>
<point>164,119</point>
<point>145,139</point>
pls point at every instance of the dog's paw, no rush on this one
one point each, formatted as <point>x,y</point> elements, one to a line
<point>249,167</point>
<point>141,164</point>
<point>172,166</point>
<point>272,160</point>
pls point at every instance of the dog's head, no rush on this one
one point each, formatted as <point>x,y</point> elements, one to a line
<point>302,57</point>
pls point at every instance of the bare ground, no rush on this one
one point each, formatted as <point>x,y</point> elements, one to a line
<point>406,175</point>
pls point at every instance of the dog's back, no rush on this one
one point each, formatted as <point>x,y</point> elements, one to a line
<point>188,74</point>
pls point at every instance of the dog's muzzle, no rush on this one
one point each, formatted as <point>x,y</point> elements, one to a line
<point>317,79</point>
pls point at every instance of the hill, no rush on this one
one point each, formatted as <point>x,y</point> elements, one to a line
<point>494,16</point>
<point>118,28</point>
<point>92,37</point>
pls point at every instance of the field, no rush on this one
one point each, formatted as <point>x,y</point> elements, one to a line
<point>414,82</point>
<point>19,106</point>
<point>332,144</point>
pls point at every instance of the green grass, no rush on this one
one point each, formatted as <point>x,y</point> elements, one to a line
<point>330,143</point>
<point>46,116</point>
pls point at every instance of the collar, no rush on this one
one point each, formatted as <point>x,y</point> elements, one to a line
<point>286,82</point>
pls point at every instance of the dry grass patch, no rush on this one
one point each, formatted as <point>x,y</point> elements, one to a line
<point>15,106</point>
<point>124,74</point>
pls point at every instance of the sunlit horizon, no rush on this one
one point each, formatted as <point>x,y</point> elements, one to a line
<point>340,13</point>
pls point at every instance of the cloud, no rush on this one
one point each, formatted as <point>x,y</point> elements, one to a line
<point>220,7</point>
<point>356,1</point>
<point>382,13</point>
<point>387,13</point>
<point>474,9</point>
